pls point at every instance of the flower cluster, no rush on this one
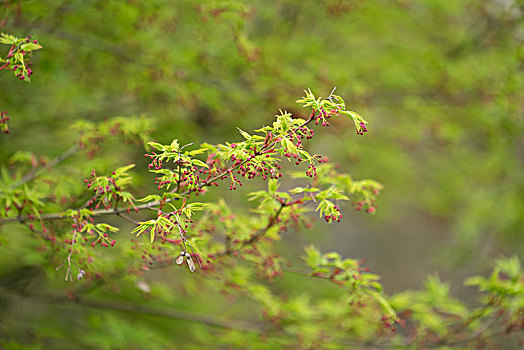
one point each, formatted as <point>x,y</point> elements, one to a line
<point>101,190</point>
<point>390,323</point>
<point>249,166</point>
<point>17,58</point>
<point>367,199</point>
<point>109,190</point>
<point>4,128</point>
<point>361,129</point>
<point>335,215</point>
<point>321,116</point>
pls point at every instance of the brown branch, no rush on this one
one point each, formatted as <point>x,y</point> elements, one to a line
<point>463,325</point>
<point>176,314</point>
<point>128,218</point>
<point>102,212</point>
<point>246,326</point>
<point>260,233</point>
<point>40,233</point>
<point>38,171</point>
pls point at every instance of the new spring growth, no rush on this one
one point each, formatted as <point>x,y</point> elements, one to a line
<point>4,128</point>
<point>17,59</point>
<point>187,256</point>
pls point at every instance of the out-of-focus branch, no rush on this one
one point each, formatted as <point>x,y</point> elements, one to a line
<point>245,326</point>
<point>30,176</point>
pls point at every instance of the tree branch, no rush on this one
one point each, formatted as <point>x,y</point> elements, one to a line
<point>102,212</point>
<point>245,326</point>
<point>37,171</point>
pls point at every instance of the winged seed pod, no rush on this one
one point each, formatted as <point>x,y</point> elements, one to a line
<point>190,262</point>
<point>180,258</point>
<point>80,275</point>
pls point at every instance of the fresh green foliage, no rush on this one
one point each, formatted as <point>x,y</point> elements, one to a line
<point>16,59</point>
<point>440,82</point>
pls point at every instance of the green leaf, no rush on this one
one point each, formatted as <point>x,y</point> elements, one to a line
<point>198,162</point>
<point>313,257</point>
<point>245,134</point>
<point>150,198</point>
<point>474,281</point>
<point>30,47</point>
<point>124,169</point>
<point>19,57</point>
<point>107,227</point>
<point>8,39</point>
<point>272,186</point>
<point>156,145</point>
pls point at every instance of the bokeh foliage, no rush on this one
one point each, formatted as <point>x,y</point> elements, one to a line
<point>440,82</point>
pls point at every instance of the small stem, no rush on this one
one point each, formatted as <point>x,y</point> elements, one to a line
<point>38,171</point>
<point>260,233</point>
<point>257,236</point>
<point>128,218</point>
<point>68,272</point>
<point>40,233</point>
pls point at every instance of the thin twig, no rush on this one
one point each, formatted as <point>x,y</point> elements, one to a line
<point>260,233</point>
<point>38,171</point>
<point>128,218</point>
<point>102,212</point>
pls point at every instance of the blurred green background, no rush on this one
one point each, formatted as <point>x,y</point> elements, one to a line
<point>440,82</point>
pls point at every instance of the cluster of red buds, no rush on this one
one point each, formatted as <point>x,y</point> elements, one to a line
<point>249,169</point>
<point>371,208</point>
<point>369,203</point>
<point>150,257</point>
<point>20,70</point>
<point>104,241</point>
<point>103,191</point>
<point>100,190</point>
<point>4,128</point>
<point>321,116</point>
<point>189,178</point>
<point>155,164</point>
<point>270,267</point>
<point>334,217</point>
<point>361,128</point>
<point>390,323</point>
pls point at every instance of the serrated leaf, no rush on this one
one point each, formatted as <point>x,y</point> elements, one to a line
<point>30,47</point>
<point>197,205</point>
<point>198,162</point>
<point>172,195</point>
<point>313,257</point>
<point>196,152</point>
<point>474,281</point>
<point>124,169</point>
<point>107,227</point>
<point>156,145</point>
<point>245,134</point>
<point>332,255</point>
<point>150,198</point>
<point>272,186</point>
<point>8,39</point>
<point>19,57</point>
